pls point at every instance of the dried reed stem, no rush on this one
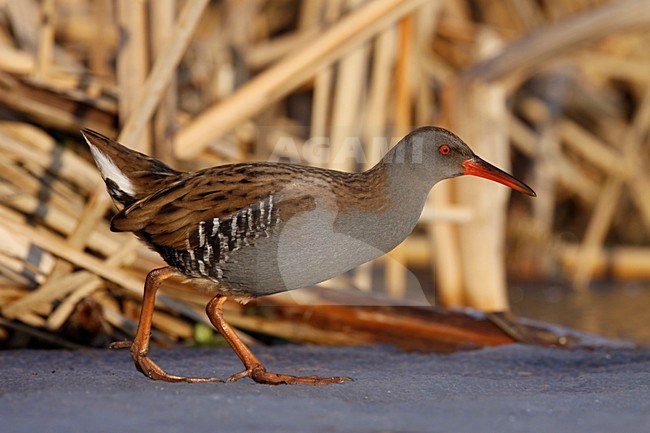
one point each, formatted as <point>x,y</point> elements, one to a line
<point>279,80</point>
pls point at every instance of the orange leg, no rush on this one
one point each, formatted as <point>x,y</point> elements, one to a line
<point>254,367</point>
<point>140,345</point>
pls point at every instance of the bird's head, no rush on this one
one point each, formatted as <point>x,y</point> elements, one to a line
<point>435,154</point>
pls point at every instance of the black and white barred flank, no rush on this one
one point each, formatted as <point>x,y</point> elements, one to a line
<point>212,242</point>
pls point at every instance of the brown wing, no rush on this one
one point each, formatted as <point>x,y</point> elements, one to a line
<point>182,214</point>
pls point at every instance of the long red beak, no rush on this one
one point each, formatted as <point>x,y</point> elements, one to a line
<point>477,167</point>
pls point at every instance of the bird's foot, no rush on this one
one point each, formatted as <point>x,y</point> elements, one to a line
<point>260,375</point>
<point>149,368</point>
<point>146,366</point>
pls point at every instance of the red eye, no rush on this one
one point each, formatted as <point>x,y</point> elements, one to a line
<point>444,149</point>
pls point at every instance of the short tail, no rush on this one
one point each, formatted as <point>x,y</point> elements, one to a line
<point>129,175</point>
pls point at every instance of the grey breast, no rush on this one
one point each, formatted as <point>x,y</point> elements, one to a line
<point>306,249</point>
<point>316,245</point>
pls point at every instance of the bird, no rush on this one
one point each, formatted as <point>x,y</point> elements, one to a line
<point>252,229</point>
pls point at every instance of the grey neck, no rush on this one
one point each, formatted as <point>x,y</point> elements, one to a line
<point>407,193</point>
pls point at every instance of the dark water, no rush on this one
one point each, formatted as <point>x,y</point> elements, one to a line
<point>613,310</point>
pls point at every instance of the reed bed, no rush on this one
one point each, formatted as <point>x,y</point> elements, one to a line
<point>557,91</point>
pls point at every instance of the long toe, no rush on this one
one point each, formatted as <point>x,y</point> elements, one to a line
<point>125,344</point>
<point>260,375</point>
<point>150,369</point>
<point>287,379</point>
<point>235,377</point>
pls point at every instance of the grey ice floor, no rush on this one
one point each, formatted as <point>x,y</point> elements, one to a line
<point>505,389</point>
